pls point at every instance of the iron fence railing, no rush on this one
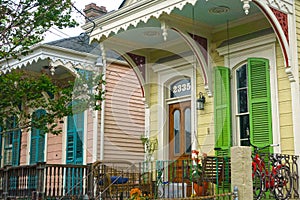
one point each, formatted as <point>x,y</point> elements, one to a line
<point>116,179</point>
<point>276,176</point>
<point>165,179</point>
<point>44,180</point>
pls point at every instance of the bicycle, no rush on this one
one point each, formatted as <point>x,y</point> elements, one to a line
<point>277,180</point>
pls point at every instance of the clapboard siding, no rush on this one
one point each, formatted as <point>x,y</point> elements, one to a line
<point>124,115</point>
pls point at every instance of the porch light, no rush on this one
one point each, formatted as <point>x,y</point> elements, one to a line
<point>200,101</point>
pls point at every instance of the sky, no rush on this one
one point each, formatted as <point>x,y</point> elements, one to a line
<point>56,34</point>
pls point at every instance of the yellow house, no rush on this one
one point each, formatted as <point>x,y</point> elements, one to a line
<point>216,74</point>
<point>236,54</point>
<point>210,76</point>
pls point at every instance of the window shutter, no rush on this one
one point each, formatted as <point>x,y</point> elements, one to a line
<point>222,110</point>
<point>70,139</point>
<point>16,140</point>
<point>33,146</point>
<point>0,145</point>
<point>259,102</point>
<point>37,146</point>
<point>16,147</point>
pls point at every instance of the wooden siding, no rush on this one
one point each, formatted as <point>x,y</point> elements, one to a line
<point>54,147</point>
<point>285,105</point>
<point>124,115</point>
<point>90,155</point>
<point>24,146</point>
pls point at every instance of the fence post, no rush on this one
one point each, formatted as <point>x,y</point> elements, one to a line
<point>5,182</point>
<point>90,180</point>
<point>40,180</point>
<point>241,171</point>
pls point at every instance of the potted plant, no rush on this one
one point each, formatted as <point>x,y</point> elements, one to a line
<point>196,174</point>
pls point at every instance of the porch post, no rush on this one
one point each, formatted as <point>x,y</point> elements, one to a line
<point>40,180</point>
<point>241,163</point>
<point>5,182</point>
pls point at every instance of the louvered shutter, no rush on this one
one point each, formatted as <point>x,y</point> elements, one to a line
<point>70,140</point>
<point>222,110</point>
<point>16,140</point>
<point>0,145</point>
<point>33,146</point>
<point>259,102</point>
<point>75,129</point>
<point>16,148</point>
<point>37,146</point>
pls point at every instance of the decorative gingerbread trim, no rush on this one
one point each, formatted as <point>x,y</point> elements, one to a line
<point>140,62</point>
<point>202,44</point>
<point>283,21</point>
<point>282,5</point>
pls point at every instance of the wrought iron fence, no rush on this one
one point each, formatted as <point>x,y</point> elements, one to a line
<point>164,179</point>
<point>275,176</point>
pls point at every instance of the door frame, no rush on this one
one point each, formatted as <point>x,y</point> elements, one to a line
<point>175,70</point>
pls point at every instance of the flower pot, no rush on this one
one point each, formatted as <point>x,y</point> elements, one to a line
<point>200,189</point>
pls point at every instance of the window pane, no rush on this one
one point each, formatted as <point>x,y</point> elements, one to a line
<point>241,76</point>
<point>187,125</point>
<point>180,88</point>
<point>177,132</point>
<point>242,101</point>
<point>244,130</point>
<point>79,146</point>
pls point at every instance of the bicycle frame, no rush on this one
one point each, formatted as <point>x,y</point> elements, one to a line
<point>259,164</point>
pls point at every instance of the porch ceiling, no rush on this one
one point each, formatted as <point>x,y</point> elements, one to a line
<point>150,13</point>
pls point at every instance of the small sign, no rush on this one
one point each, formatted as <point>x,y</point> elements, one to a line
<point>181,88</point>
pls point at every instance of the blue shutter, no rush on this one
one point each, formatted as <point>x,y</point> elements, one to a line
<point>0,145</point>
<point>16,141</point>
<point>75,130</point>
<point>37,146</point>
<point>74,177</point>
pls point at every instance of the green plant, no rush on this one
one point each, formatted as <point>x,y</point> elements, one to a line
<point>24,22</point>
<point>150,145</point>
<point>23,92</point>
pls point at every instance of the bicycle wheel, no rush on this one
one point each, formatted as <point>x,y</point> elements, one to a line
<point>257,184</point>
<point>283,183</point>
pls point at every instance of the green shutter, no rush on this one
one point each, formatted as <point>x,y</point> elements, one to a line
<point>259,102</point>
<point>222,110</point>
<point>37,146</point>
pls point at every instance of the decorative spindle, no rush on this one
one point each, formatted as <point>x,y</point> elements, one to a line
<point>246,6</point>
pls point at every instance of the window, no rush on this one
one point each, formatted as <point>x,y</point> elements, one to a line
<point>187,126</point>
<point>252,105</point>
<point>242,114</point>
<point>12,143</point>
<point>177,131</point>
